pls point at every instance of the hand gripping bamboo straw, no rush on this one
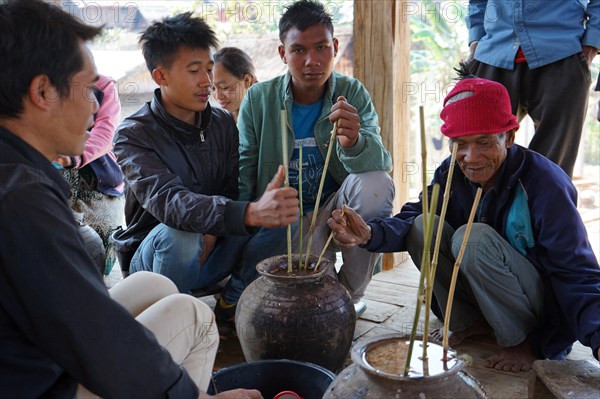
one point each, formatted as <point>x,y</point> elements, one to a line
<point>327,244</point>
<point>461,253</point>
<point>286,161</point>
<point>426,255</point>
<point>323,176</point>
<point>428,233</point>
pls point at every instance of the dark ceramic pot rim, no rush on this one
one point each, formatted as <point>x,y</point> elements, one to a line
<point>359,350</point>
<point>265,267</point>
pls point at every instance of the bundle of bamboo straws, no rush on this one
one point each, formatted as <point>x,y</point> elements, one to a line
<point>428,266</point>
<point>284,151</point>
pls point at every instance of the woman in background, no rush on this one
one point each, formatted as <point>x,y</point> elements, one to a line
<point>233,75</point>
<point>96,180</point>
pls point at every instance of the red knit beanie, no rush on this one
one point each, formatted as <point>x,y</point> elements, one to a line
<point>477,106</point>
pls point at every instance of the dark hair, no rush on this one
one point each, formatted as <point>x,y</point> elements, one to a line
<point>236,61</point>
<point>163,39</point>
<point>302,15</point>
<point>463,71</point>
<point>37,38</point>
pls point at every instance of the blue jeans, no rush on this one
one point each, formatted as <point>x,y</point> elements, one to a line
<point>176,255</point>
<point>265,243</point>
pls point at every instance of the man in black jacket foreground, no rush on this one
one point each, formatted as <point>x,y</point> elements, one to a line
<point>180,160</point>
<point>59,328</point>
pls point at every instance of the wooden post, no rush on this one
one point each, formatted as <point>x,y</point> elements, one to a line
<point>381,61</point>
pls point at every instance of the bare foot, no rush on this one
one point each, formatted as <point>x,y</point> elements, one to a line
<point>515,358</point>
<point>479,327</point>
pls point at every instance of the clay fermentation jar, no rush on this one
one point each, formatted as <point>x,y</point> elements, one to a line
<point>303,315</point>
<point>378,372</point>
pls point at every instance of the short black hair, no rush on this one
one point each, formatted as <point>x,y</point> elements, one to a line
<point>37,38</point>
<point>236,62</point>
<point>302,15</point>
<point>163,39</point>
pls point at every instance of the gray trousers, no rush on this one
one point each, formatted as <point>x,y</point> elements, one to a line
<point>370,194</point>
<point>494,282</point>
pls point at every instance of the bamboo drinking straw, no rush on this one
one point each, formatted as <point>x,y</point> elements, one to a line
<point>323,176</point>
<point>428,233</point>
<point>284,155</point>
<point>301,206</point>
<point>326,245</point>
<point>423,165</point>
<point>436,249</point>
<point>461,252</point>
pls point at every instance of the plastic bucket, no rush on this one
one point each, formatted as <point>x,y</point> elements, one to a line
<point>271,377</point>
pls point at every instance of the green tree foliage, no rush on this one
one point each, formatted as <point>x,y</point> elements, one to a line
<point>438,43</point>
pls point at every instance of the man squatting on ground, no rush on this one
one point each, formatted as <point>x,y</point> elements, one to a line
<point>314,97</point>
<point>529,274</point>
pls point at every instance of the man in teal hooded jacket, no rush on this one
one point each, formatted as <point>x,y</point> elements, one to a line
<point>314,98</point>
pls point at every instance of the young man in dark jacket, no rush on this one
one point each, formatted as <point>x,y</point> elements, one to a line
<point>60,329</point>
<point>529,273</point>
<point>180,160</point>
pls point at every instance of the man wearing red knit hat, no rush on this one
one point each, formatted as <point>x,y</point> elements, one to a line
<point>529,274</point>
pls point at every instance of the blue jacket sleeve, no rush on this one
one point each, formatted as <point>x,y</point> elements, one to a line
<point>568,261</point>
<point>591,37</point>
<point>388,235</point>
<point>475,19</point>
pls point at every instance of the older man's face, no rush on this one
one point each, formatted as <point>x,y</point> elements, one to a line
<point>480,156</point>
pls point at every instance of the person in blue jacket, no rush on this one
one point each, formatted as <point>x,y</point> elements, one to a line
<point>529,274</point>
<point>541,51</point>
